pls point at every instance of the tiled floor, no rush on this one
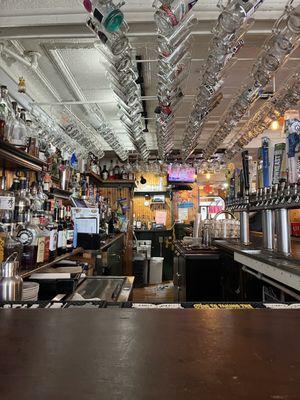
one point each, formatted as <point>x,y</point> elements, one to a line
<point>154,293</point>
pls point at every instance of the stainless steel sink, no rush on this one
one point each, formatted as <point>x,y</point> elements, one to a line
<point>251,251</point>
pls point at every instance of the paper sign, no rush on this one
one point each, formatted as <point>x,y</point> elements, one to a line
<point>187,204</point>
<point>183,214</point>
<point>161,217</point>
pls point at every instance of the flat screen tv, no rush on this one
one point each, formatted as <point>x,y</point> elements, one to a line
<point>180,174</point>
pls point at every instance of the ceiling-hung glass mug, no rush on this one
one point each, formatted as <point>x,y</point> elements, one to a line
<point>106,13</point>
<point>170,72</point>
<point>167,45</point>
<point>177,54</point>
<point>124,63</point>
<point>293,22</point>
<point>234,15</point>
<point>171,13</point>
<point>116,42</point>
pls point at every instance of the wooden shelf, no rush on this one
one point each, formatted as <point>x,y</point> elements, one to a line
<point>11,158</point>
<point>143,193</point>
<point>60,193</point>
<point>113,183</point>
<point>25,274</point>
<point>94,177</point>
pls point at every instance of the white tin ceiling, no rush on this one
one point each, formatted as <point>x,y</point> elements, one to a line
<point>71,69</point>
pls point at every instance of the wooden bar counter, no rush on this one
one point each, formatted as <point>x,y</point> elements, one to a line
<point>132,354</point>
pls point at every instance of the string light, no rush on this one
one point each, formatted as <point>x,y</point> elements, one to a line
<point>275,125</point>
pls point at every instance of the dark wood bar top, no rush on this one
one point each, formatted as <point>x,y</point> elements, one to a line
<point>136,354</point>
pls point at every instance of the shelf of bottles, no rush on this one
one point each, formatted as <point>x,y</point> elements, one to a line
<point>114,176</point>
<point>12,157</point>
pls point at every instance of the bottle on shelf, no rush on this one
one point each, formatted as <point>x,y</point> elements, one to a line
<point>40,254</point>
<point>18,132</point>
<point>61,233</point>
<point>6,113</point>
<point>124,173</point>
<point>70,229</point>
<point>7,204</point>
<point>117,172</point>
<point>29,236</point>
<point>104,175</point>
<point>47,182</point>
<point>134,221</point>
<point>52,227</point>
<point>111,171</point>
<point>9,243</point>
<point>138,223</point>
<point>33,141</point>
<point>22,203</point>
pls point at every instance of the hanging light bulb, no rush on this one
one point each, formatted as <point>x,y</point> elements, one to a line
<point>208,176</point>
<point>275,125</point>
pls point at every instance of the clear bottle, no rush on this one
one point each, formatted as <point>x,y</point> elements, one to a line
<point>70,229</point>
<point>104,174</point>
<point>22,203</point>
<point>6,113</point>
<point>33,141</point>
<point>28,236</point>
<point>52,227</point>
<point>18,132</point>
<point>11,244</point>
<point>7,204</point>
<point>61,234</point>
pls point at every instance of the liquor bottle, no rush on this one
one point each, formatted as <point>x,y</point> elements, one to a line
<point>104,173</point>
<point>41,194</point>
<point>134,222</point>
<point>63,175</point>
<point>111,171</point>
<point>70,229</point>
<point>6,113</point>
<point>40,254</point>
<point>52,227</point>
<point>33,142</point>
<point>22,203</point>
<point>7,204</point>
<point>46,234</point>
<point>18,132</point>
<point>61,234</point>
<point>47,182</point>
<point>117,172</point>
<point>124,173</point>
<point>138,224</point>
<point>8,243</point>
<point>28,236</point>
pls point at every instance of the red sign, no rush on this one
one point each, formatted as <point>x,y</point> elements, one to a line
<point>295,228</point>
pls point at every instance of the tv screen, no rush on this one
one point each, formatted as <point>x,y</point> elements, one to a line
<point>177,173</point>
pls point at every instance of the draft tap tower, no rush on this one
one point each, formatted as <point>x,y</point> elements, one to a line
<point>244,211</point>
<point>282,221</point>
<point>267,214</point>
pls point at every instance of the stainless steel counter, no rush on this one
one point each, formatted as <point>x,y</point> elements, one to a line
<point>106,288</point>
<point>285,270</point>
